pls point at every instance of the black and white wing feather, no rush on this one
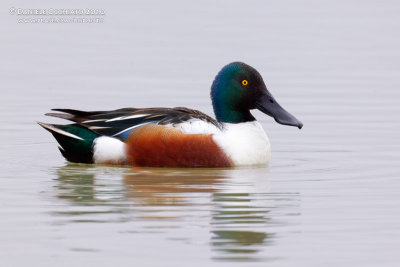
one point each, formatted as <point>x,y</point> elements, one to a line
<point>120,122</point>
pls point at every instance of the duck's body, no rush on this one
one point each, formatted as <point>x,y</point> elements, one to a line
<point>177,137</point>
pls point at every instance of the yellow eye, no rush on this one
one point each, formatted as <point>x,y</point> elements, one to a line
<point>245,82</point>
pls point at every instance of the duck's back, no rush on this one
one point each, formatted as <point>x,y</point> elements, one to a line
<point>156,137</point>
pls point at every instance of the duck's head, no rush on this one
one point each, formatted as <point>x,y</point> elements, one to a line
<point>239,88</point>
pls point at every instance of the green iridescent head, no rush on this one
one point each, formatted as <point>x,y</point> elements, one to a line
<point>239,88</point>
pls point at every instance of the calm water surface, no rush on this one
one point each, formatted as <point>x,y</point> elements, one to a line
<point>329,197</point>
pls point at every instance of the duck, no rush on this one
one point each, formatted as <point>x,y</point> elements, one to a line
<point>178,137</point>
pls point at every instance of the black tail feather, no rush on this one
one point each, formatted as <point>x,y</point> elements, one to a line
<point>76,141</point>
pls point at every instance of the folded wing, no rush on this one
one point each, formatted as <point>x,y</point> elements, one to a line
<point>119,123</point>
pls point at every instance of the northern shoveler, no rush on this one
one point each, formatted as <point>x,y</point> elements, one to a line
<point>178,137</point>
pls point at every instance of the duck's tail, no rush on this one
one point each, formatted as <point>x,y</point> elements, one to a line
<point>76,141</point>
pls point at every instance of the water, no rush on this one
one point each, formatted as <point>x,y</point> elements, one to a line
<point>329,196</point>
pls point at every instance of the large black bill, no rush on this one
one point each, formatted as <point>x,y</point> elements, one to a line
<point>269,106</point>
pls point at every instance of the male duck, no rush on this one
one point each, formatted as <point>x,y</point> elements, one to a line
<point>178,137</point>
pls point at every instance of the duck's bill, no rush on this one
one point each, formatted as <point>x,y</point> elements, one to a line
<point>269,106</point>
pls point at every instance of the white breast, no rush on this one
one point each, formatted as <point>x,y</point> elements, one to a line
<point>245,143</point>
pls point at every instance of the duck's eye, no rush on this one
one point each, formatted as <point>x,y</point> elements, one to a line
<point>245,82</point>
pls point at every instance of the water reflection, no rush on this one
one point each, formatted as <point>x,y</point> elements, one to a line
<point>90,195</point>
<point>170,200</point>
<point>168,187</point>
<point>239,226</point>
<point>76,185</point>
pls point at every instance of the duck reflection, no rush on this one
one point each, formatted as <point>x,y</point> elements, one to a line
<point>169,187</point>
<point>239,226</point>
<point>77,184</point>
<point>154,198</point>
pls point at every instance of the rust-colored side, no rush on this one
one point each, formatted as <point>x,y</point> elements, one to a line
<point>163,146</point>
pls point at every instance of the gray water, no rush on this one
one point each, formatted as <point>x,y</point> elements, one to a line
<point>329,197</point>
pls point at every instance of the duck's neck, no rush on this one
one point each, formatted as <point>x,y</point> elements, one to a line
<point>227,111</point>
<point>229,115</point>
